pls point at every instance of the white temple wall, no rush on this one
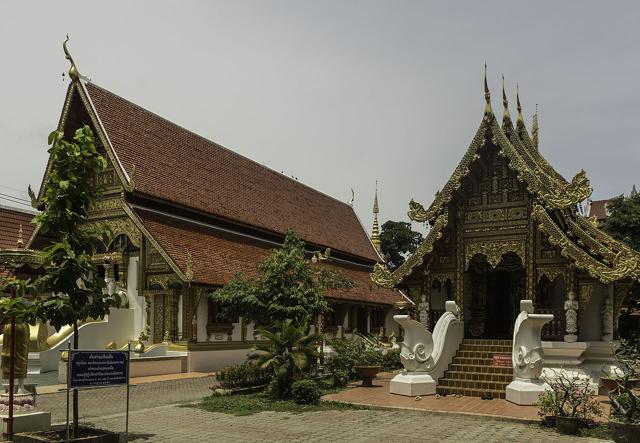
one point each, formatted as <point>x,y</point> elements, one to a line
<point>136,303</point>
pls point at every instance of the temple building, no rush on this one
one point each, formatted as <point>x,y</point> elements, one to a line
<point>506,227</point>
<point>188,214</point>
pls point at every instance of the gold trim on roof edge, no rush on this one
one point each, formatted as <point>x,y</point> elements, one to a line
<point>625,264</point>
<point>386,279</point>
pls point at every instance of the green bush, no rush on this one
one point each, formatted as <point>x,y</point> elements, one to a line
<point>305,392</point>
<point>391,360</point>
<point>243,376</point>
<point>344,358</point>
<point>370,357</point>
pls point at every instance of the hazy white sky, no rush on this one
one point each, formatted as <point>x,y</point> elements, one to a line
<point>337,93</point>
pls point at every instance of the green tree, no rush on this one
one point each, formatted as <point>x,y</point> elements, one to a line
<point>623,221</point>
<point>288,287</point>
<point>71,278</point>
<point>396,240</point>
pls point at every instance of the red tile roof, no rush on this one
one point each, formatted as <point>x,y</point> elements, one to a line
<point>174,164</point>
<point>218,256</point>
<point>598,208</point>
<point>10,221</point>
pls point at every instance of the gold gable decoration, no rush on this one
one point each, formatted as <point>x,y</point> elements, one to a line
<point>493,250</point>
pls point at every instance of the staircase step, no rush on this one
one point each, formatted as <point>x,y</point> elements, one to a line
<point>473,361</point>
<point>481,341</point>
<point>480,354</point>
<point>486,348</point>
<point>478,376</point>
<point>480,369</point>
<point>473,384</point>
<point>471,392</point>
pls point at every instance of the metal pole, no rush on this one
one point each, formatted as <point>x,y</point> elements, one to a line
<point>126,423</point>
<point>12,361</point>
<point>68,379</point>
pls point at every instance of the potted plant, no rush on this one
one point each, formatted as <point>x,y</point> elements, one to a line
<point>571,401</point>
<point>624,418</point>
<point>367,366</point>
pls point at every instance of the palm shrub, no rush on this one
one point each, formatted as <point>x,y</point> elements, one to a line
<point>288,352</point>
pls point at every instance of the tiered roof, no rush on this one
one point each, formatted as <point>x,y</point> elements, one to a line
<point>554,209</point>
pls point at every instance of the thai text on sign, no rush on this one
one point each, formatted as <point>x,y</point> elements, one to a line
<point>502,361</point>
<point>98,368</point>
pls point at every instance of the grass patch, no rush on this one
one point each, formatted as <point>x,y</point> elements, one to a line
<point>249,404</point>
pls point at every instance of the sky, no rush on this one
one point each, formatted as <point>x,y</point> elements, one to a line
<point>337,93</point>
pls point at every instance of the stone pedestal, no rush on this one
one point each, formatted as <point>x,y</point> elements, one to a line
<point>526,392</point>
<point>28,422</point>
<point>570,338</point>
<point>412,384</point>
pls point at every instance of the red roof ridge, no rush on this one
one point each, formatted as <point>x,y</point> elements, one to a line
<point>231,151</point>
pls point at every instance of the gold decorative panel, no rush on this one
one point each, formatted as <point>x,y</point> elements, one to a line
<point>493,250</point>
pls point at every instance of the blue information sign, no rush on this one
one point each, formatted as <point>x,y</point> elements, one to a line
<point>98,368</point>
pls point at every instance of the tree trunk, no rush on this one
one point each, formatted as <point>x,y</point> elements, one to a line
<point>75,391</point>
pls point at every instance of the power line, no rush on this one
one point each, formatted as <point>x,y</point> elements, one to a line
<point>17,202</point>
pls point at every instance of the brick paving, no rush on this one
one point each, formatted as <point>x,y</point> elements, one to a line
<point>155,417</point>
<point>180,424</point>
<point>379,396</point>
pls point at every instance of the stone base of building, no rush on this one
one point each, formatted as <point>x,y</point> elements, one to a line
<point>526,392</point>
<point>28,422</point>
<point>412,384</point>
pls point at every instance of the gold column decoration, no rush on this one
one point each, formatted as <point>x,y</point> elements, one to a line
<point>459,273</point>
<point>529,264</point>
<point>189,271</point>
<point>585,293</point>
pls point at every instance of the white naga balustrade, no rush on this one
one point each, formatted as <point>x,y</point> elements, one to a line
<point>426,357</point>
<point>527,356</point>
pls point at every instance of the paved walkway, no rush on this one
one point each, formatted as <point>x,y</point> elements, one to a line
<point>379,396</point>
<point>182,424</point>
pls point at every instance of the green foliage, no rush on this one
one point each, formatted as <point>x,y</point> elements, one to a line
<point>22,307</point>
<point>70,275</point>
<point>391,360</point>
<point>288,353</point>
<point>623,221</point>
<point>343,359</point>
<point>370,357</point>
<point>625,404</point>
<point>305,392</point>
<point>570,396</point>
<point>396,240</point>
<point>243,376</point>
<point>288,286</point>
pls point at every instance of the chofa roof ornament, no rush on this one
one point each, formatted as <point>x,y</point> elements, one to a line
<point>74,74</point>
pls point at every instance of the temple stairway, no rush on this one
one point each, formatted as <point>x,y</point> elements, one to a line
<point>472,372</point>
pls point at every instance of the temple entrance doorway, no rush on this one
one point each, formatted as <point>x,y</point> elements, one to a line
<point>492,296</point>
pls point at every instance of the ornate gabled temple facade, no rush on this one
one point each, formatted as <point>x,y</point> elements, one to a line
<point>506,227</point>
<point>188,214</point>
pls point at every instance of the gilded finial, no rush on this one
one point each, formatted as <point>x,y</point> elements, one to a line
<point>353,197</point>
<point>488,112</point>
<point>520,118</point>
<point>535,128</point>
<point>505,103</point>
<point>74,74</point>
<point>20,241</point>
<point>375,230</point>
<point>189,271</point>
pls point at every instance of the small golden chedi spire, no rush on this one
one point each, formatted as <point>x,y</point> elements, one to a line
<point>375,230</point>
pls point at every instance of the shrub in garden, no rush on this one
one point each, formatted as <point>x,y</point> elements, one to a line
<point>370,357</point>
<point>391,360</point>
<point>243,376</point>
<point>305,392</point>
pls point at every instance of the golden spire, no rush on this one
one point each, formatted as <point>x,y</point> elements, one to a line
<point>488,112</point>
<point>534,128</point>
<point>73,70</point>
<point>505,103</point>
<point>520,118</point>
<point>375,231</point>
<point>20,241</point>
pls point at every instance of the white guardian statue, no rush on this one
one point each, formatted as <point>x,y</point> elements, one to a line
<point>527,356</point>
